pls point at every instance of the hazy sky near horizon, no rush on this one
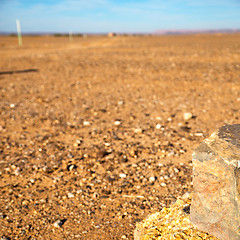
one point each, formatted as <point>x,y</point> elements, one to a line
<point>96,16</point>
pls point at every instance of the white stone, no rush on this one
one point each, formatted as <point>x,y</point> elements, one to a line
<point>198,134</point>
<point>86,123</point>
<point>117,123</point>
<point>152,179</point>
<point>70,195</point>
<point>138,130</point>
<point>122,175</point>
<point>187,116</point>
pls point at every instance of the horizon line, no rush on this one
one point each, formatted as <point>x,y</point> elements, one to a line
<point>156,32</point>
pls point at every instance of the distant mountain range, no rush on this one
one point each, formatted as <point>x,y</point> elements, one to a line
<point>176,32</point>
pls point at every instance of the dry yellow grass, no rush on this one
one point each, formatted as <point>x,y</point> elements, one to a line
<point>171,224</point>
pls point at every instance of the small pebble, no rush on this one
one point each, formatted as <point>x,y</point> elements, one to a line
<point>152,179</point>
<point>187,116</point>
<point>122,175</point>
<point>25,202</point>
<point>71,167</point>
<point>198,134</point>
<point>32,180</point>
<point>138,130</point>
<point>176,170</point>
<point>120,102</point>
<point>86,123</point>
<point>2,216</point>
<point>95,195</point>
<point>117,122</point>
<point>172,153</point>
<point>58,223</point>
<point>76,144</point>
<point>70,195</point>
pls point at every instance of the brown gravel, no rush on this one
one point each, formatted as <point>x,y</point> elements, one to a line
<point>98,133</point>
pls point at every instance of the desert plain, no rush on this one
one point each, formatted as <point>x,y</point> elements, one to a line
<point>97,133</point>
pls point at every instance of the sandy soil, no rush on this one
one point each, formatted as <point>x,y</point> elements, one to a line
<point>97,133</point>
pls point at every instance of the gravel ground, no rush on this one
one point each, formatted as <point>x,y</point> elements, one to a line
<point>96,134</point>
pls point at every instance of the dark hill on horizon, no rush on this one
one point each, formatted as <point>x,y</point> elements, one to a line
<point>184,31</point>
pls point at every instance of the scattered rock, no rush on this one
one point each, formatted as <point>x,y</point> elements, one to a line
<point>186,128</point>
<point>138,130</point>
<point>2,216</point>
<point>152,179</point>
<point>86,123</point>
<point>25,202</point>
<point>59,223</point>
<point>102,152</point>
<point>71,167</point>
<point>117,122</point>
<point>198,134</point>
<point>187,116</point>
<point>70,195</point>
<point>122,175</point>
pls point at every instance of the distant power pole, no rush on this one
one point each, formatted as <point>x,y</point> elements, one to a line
<point>19,32</point>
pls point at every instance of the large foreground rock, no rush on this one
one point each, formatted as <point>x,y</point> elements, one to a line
<point>215,205</point>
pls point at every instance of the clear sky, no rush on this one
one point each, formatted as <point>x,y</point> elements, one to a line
<point>95,16</point>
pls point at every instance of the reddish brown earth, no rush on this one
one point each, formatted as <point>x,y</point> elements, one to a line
<point>92,132</point>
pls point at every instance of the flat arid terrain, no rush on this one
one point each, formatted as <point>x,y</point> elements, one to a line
<point>97,133</point>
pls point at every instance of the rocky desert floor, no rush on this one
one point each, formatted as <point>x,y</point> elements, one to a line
<point>98,133</point>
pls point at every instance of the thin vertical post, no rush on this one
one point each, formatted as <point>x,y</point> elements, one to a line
<point>70,36</point>
<point>19,32</point>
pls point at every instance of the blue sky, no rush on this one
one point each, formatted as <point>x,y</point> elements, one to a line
<point>97,16</point>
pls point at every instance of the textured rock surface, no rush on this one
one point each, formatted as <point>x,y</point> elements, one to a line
<point>216,184</point>
<point>171,224</point>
